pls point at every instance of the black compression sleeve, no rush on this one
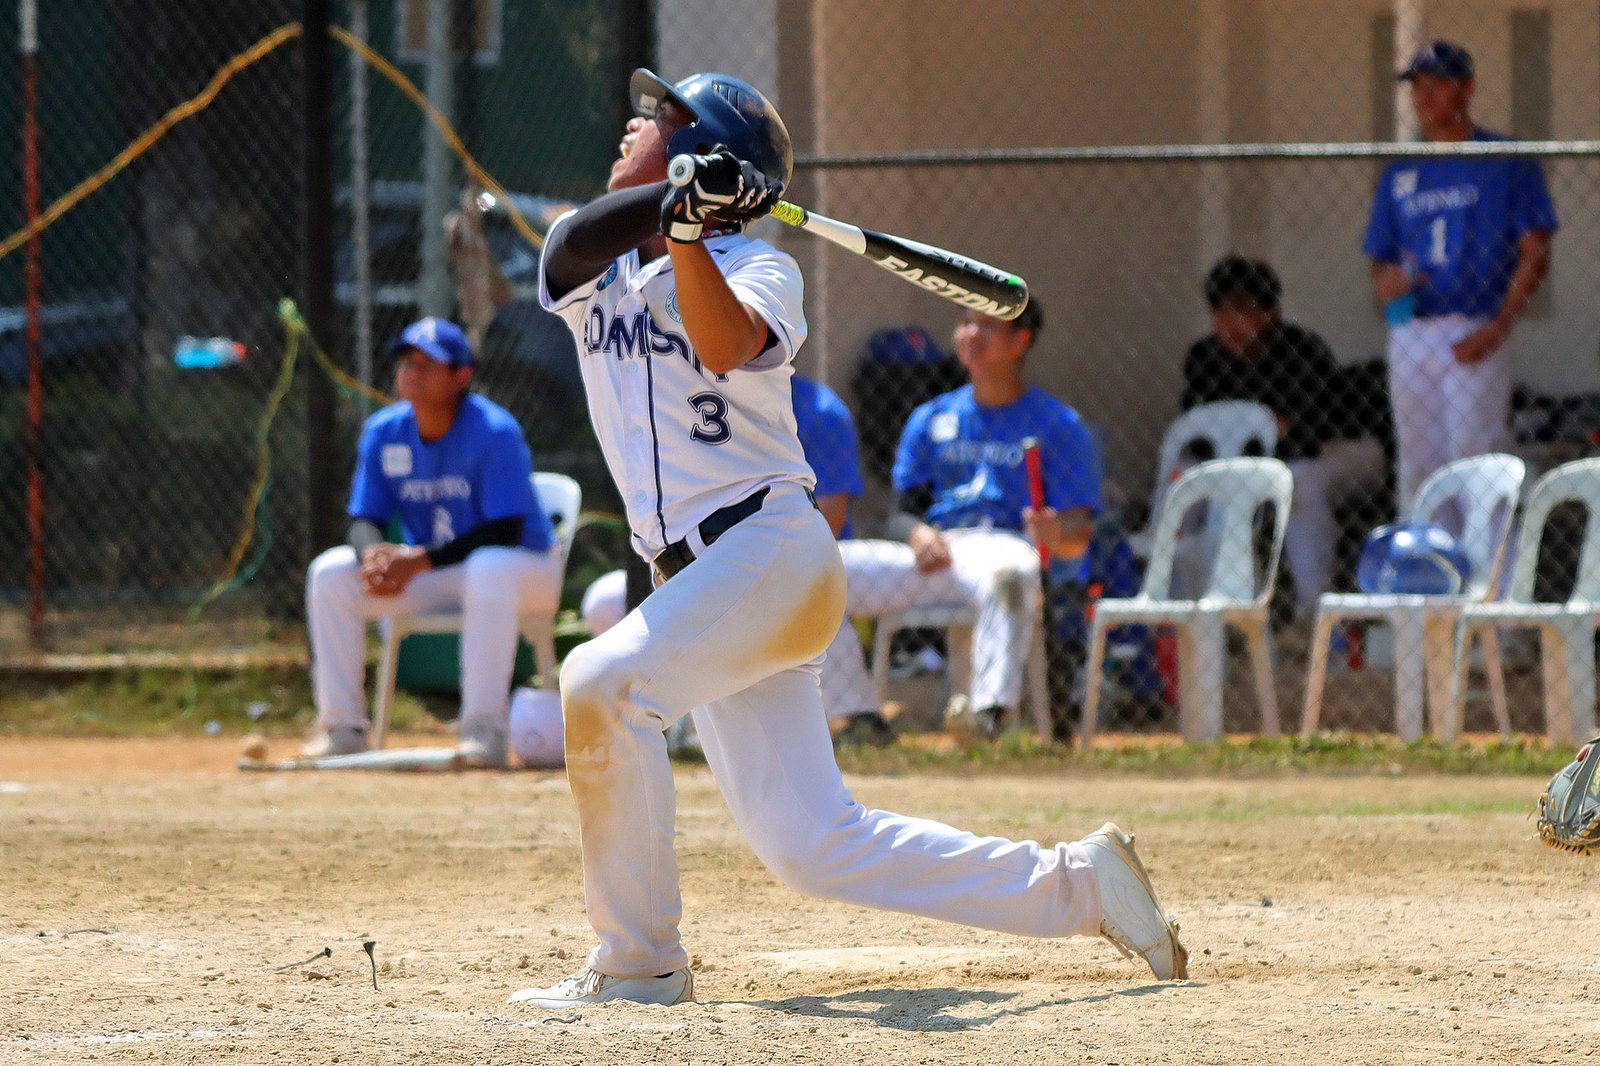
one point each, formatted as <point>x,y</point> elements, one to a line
<point>501,532</point>
<point>363,534</point>
<point>598,232</point>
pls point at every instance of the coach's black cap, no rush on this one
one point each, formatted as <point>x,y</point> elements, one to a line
<point>1442,59</point>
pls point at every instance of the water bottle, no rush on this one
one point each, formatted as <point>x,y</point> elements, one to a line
<point>1403,308</point>
<point>195,352</point>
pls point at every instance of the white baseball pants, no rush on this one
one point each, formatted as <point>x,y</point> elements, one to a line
<point>735,638</point>
<point>994,572</point>
<point>1345,470</point>
<point>1443,410</point>
<point>491,588</point>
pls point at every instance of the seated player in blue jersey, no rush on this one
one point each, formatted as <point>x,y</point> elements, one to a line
<point>828,437</point>
<point>1458,248</point>
<point>454,471</point>
<point>964,532</point>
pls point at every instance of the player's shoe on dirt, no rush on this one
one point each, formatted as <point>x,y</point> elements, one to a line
<point>339,740</point>
<point>484,750</point>
<point>589,986</point>
<point>1130,914</point>
<point>968,724</point>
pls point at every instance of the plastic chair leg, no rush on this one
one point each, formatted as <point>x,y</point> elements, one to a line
<point>881,639</point>
<point>1091,698</point>
<point>1496,672</point>
<point>383,695</point>
<point>1316,673</point>
<point>1259,640</point>
<point>1569,680</point>
<point>1409,678</point>
<point>1442,650</point>
<point>1039,685</point>
<point>1202,649</point>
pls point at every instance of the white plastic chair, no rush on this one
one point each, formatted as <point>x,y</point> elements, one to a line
<point>958,621</point>
<point>1566,630</point>
<point>561,498</point>
<point>1229,427</point>
<point>1426,628</point>
<point>1233,490</point>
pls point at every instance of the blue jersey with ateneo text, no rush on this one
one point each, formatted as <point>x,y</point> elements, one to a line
<point>971,457</point>
<point>828,437</point>
<point>1458,221</point>
<point>479,470</point>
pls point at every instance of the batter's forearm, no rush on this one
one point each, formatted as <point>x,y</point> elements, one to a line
<point>724,333</point>
<point>597,233</point>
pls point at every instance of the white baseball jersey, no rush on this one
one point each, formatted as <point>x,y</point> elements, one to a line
<point>681,440</point>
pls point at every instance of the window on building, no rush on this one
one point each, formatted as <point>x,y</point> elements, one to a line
<point>485,16</point>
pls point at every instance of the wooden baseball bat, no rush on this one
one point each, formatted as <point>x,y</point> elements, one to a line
<point>948,275</point>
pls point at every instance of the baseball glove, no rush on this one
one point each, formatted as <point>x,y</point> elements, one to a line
<point>1569,809</point>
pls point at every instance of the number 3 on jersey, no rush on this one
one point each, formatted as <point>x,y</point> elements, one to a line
<point>713,410</point>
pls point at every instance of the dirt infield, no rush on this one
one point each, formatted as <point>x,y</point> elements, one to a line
<point>149,893</point>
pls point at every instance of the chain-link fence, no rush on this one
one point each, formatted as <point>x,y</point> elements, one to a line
<point>1196,192</point>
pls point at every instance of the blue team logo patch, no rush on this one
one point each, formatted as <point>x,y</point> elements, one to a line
<point>672,307</point>
<point>943,428</point>
<point>396,460</point>
<point>607,278</point>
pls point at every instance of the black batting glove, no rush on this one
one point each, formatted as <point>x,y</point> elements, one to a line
<point>723,188</point>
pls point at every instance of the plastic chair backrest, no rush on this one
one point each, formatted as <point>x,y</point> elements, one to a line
<point>1485,489</point>
<point>1575,482</point>
<point>561,498</point>
<point>1229,427</point>
<point>1233,490</point>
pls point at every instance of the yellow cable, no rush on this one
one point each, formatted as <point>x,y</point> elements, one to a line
<point>295,327</point>
<point>142,143</point>
<point>146,140</point>
<point>407,86</point>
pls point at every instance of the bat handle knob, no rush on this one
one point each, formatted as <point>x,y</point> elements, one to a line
<point>681,170</point>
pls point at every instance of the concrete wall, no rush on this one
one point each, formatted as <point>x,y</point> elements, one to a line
<point>1116,252</point>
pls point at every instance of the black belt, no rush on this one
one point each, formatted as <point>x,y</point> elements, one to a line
<point>677,555</point>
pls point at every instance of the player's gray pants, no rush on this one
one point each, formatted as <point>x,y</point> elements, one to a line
<point>736,638</point>
<point>491,588</point>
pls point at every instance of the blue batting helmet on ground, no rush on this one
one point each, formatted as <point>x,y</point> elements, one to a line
<point>727,112</point>
<point>1413,559</point>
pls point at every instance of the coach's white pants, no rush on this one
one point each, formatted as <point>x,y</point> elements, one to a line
<point>994,572</point>
<point>1345,470</point>
<point>1443,410</point>
<point>490,589</point>
<point>735,638</point>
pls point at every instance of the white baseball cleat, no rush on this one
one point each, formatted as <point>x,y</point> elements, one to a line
<point>338,740</point>
<point>484,750</point>
<point>1130,914</point>
<point>590,986</point>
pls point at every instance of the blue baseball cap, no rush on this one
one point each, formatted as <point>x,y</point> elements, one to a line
<point>1442,59</point>
<point>438,339</point>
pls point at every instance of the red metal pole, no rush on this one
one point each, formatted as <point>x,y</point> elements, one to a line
<point>31,288</point>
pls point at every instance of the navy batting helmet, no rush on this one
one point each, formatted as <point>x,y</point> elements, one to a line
<point>727,112</point>
<point>1415,558</point>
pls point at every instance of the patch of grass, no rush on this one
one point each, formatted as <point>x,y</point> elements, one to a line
<point>271,701</point>
<point>1363,753</point>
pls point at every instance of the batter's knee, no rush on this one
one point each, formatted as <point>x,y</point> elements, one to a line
<point>803,859</point>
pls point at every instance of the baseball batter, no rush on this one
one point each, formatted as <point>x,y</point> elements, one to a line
<point>687,329</point>
<point>1468,241</point>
